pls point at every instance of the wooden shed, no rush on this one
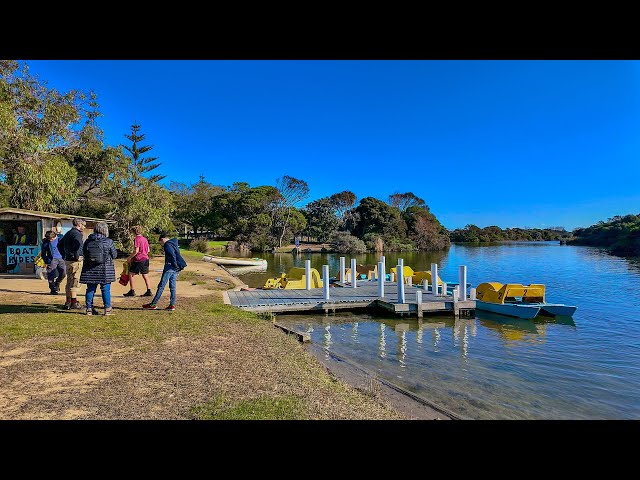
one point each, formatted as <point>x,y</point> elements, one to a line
<point>35,224</point>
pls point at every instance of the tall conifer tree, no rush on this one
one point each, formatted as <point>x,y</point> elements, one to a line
<point>141,164</point>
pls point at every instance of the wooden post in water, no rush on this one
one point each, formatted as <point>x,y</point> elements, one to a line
<point>342,269</point>
<point>354,273</point>
<point>472,294</point>
<point>434,278</point>
<point>419,302</point>
<point>462,282</point>
<point>307,274</point>
<point>380,280</point>
<point>325,281</point>
<point>400,284</point>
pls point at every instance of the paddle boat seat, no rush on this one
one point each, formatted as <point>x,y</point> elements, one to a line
<point>296,279</point>
<point>495,292</point>
<point>419,277</point>
<point>370,271</point>
<point>406,272</point>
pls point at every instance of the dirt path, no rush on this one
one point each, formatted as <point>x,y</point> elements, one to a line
<point>201,280</point>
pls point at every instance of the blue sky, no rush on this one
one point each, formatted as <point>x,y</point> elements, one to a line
<point>510,143</point>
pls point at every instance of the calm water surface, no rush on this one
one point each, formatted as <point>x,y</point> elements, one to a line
<point>496,367</point>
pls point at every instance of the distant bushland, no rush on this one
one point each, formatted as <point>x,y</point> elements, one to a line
<point>621,234</point>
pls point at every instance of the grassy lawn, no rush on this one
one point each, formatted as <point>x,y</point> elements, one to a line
<point>217,244</point>
<point>206,360</point>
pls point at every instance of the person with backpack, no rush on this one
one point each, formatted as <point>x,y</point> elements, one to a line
<point>173,264</point>
<point>71,249</point>
<point>56,268</point>
<point>99,252</point>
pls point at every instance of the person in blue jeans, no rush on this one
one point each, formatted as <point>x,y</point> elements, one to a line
<point>173,263</point>
<point>56,269</point>
<point>98,252</point>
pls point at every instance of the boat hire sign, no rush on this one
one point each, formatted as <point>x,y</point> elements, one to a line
<point>17,254</point>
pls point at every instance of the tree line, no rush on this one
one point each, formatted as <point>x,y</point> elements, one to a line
<point>621,234</point>
<point>475,234</point>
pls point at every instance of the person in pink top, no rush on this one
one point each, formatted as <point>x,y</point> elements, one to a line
<point>138,262</point>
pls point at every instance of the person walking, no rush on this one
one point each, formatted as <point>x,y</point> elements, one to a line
<point>173,263</point>
<point>56,268</point>
<point>97,269</point>
<point>71,249</point>
<point>138,262</point>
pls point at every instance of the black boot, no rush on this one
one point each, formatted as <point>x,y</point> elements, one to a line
<point>130,293</point>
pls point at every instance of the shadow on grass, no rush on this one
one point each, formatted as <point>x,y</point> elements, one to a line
<point>42,308</point>
<point>35,308</point>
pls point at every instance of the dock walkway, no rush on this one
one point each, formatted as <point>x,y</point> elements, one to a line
<point>345,297</point>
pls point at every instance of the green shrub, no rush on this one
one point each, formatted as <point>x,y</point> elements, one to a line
<point>199,245</point>
<point>346,243</point>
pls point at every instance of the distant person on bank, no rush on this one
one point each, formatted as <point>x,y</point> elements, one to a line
<point>56,268</point>
<point>138,262</point>
<point>71,249</point>
<point>97,268</point>
<point>21,237</point>
<point>173,263</point>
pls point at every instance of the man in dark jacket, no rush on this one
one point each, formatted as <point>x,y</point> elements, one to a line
<point>173,263</point>
<point>56,267</point>
<point>71,249</point>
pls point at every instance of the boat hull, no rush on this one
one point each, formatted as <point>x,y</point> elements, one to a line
<point>518,311</point>
<point>557,310</point>
<point>235,261</point>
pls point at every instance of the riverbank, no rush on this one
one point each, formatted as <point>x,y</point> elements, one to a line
<point>206,360</point>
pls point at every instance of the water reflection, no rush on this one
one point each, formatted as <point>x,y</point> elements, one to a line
<point>495,366</point>
<point>513,330</point>
<point>382,344</point>
<point>327,340</point>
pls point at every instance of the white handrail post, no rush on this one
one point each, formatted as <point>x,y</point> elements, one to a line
<point>472,294</point>
<point>354,273</point>
<point>419,297</point>
<point>434,278</point>
<point>325,281</point>
<point>380,280</point>
<point>462,282</point>
<point>342,270</point>
<point>444,289</point>
<point>400,284</point>
<point>307,274</point>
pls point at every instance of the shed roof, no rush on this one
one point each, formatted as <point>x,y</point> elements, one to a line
<point>35,213</point>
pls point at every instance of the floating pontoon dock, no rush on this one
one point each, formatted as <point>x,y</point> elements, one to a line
<point>342,296</point>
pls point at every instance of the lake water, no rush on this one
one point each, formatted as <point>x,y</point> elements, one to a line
<point>497,367</point>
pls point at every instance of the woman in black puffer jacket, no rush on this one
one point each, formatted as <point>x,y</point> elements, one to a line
<point>97,269</point>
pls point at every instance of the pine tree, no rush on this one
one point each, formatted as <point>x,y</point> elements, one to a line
<point>141,164</point>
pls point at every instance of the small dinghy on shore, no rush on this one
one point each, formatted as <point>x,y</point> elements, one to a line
<point>235,261</point>
<point>517,300</point>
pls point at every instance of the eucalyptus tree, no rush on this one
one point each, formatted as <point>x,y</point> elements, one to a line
<point>194,203</point>
<point>322,221</point>
<point>405,200</point>
<point>292,192</point>
<point>42,131</point>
